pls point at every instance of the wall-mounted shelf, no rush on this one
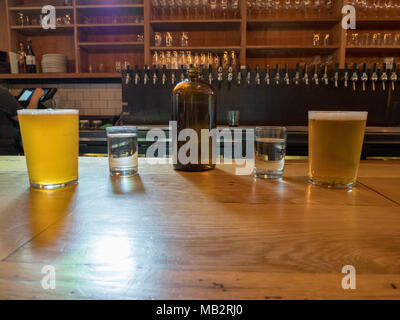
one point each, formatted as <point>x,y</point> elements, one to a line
<point>259,40</point>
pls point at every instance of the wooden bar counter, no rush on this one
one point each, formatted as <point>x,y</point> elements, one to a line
<point>165,234</point>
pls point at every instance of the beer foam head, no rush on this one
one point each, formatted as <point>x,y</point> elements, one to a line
<point>337,115</point>
<point>47,111</point>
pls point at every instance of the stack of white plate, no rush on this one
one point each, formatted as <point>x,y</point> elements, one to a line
<point>54,62</point>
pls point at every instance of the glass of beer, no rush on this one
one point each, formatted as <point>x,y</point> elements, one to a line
<point>51,144</point>
<point>335,141</point>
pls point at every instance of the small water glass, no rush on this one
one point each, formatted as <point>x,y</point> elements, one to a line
<point>270,152</point>
<point>122,150</point>
<point>233,118</point>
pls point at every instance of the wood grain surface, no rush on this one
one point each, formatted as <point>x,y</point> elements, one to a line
<point>165,234</point>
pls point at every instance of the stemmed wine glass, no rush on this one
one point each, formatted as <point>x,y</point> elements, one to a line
<point>224,7</point>
<point>179,4</point>
<point>171,4</point>
<point>163,4</point>
<point>156,6</point>
<point>306,7</point>
<point>259,6</point>
<point>288,6</point>
<point>213,7</point>
<point>187,5</point>
<point>235,7</point>
<point>196,4</point>
<point>204,4</point>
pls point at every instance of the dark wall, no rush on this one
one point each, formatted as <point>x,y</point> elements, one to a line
<point>267,105</point>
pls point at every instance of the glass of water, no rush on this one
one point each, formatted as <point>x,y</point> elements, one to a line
<point>270,151</point>
<point>122,150</point>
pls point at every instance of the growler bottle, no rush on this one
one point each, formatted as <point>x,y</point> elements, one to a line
<point>193,107</point>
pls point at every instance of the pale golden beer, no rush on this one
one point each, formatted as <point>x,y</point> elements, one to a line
<point>335,141</point>
<point>51,144</point>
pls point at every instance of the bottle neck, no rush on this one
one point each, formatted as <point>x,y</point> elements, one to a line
<point>194,78</point>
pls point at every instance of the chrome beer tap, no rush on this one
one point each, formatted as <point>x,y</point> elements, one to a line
<point>248,75</point>
<point>267,76</point>
<point>239,75</point>
<point>137,75</point>
<point>336,75</point>
<point>210,75</point>
<point>230,71</point>
<point>315,78</point>
<point>257,77</point>
<point>146,77</point>
<point>173,77</point>
<point>346,75</point>
<point>296,78</point>
<point>277,75</point>
<point>220,71</point>
<point>393,76</point>
<point>286,78</point>
<point>354,77</point>
<point>155,75</point>
<point>384,76</point>
<point>364,76</point>
<point>325,78</point>
<point>374,77</point>
<point>164,75</point>
<point>128,78</point>
<point>305,77</point>
<point>182,73</point>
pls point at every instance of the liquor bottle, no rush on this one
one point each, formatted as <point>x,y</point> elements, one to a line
<point>194,107</point>
<point>21,58</point>
<point>30,59</point>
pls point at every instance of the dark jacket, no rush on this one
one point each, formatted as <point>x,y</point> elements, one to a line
<point>8,109</point>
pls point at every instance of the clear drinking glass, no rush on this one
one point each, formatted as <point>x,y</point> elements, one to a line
<point>233,118</point>
<point>270,151</point>
<point>122,150</point>
<point>335,140</point>
<point>51,145</point>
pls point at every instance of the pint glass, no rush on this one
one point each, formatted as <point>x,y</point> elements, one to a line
<point>335,142</point>
<point>51,144</point>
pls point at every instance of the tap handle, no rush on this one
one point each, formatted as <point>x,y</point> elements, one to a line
<point>364,68</point>
<point>374,68</point>
<point>355,68</point>
<point>277,75</point>
<point>384,67</point>
<point>394,67</point>
<point>287,78</point>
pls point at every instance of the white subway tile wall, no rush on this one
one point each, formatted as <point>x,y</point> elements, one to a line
<point>92,99</point>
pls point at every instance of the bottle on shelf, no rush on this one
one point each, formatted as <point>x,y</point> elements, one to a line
<point>194,107</point>
<point>21,57</point>
<point>30,58</point>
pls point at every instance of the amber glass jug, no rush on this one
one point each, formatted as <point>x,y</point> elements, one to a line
<point>194,107</point>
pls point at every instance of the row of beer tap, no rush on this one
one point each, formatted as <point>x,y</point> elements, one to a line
<point>318,75</point>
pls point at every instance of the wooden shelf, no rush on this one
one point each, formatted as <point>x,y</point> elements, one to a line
<point>291,23</point>
<point>373,49</point>
<point>108,6</point>
<point>202,48</point>
<point>38,8</point>
<point>38,30</point>
<point>191,25</point>
<point>288,50</point>
<point>376,23</point>
<point>109,25</point>
<point>93,46</point>
<point>71,75</point>
<point>253,37</point>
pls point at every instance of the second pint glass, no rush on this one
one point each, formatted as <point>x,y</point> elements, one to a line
<point>335,140</point>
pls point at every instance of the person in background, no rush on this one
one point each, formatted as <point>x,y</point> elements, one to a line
<point>9,141</point>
